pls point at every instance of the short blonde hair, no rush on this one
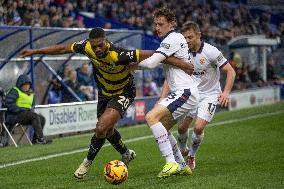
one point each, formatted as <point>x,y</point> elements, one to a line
<point>190,25</point>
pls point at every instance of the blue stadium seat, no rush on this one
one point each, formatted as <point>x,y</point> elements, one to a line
<point>54,97</point>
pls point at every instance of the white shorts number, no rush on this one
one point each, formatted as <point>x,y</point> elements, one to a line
<point>123,101</point>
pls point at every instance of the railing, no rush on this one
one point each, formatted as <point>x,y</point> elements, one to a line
<point>44,68</point>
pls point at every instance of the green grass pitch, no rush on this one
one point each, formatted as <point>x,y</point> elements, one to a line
<point>241,149</point>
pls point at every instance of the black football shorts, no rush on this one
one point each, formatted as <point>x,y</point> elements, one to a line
<point>119,102</point>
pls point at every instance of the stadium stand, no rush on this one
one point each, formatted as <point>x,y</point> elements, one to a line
<point>223,21</point>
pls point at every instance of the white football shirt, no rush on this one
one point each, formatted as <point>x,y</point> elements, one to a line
<point>207,62</point>
<point>175,44</point>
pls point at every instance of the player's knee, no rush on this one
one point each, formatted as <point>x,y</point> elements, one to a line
<point>150,118</point>
<point>198,130</point>
<point>184,125</point>
<point>101,131</point>
<point>110,132</point>
<point>182,128</point>
<point>199,126</point>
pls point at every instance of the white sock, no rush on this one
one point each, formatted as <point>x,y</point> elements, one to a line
<point>161,135</point>
<point>182,139</point>
<point>195,143</point>
<point>177,154</point>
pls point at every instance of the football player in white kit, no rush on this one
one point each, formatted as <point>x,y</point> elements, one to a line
<point>183,96</point>
<point>207,61</point>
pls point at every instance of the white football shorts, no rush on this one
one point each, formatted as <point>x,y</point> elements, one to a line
<point>180,102</point>
<point>206,108</point>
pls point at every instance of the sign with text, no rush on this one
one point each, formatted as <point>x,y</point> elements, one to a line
<point>69,117</point>
<point>255,97</point>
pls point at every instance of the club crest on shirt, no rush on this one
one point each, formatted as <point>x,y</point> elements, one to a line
<point>220,57</point>
<point>165,45</point>
<point>202,61</point>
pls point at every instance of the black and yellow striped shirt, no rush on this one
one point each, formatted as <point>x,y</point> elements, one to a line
<point>111,73</point>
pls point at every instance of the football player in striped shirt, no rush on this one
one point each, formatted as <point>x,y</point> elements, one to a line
<point>116,89</point>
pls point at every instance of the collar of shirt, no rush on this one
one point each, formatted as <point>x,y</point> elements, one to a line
<point>168,34</point>
<point>199,50</point>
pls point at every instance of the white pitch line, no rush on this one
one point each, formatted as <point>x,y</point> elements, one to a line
<point>131,140</point>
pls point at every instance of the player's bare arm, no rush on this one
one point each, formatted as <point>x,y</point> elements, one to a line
<point>224,97</point>
<point>185,66</point>
<point>156,58</point>
<point>144,54</point>
<point>51,50</point>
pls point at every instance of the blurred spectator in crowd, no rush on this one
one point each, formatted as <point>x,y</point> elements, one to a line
<point>281,34</point>
<point>235,60</point>
<point>79,22</point>
<point>73,84</point>
<point>270,71</point>
<point>150,88</point>
<point>242,78</point>
<point>223,19</point>
<point>146,89</point>
<point>255,77</point>
<point>54,13</point>
<point>20,102</point>
<point>107,25</point>
<point>85,80</point>
<point>154,90</point>
<point>63,73</point>
<point>83,75</point>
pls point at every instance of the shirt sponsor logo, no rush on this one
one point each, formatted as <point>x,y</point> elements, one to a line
<point>199,73</point>
<point>165,45</point>
<point>202,61</point>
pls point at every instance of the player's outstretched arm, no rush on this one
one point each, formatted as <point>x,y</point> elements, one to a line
<point>224,97</point>
<point>143,54</point>
<point>155,60</point>
<point>51,50</point>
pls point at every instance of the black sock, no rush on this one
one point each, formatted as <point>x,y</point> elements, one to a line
<point>117,142</point>
<point>95,146</point>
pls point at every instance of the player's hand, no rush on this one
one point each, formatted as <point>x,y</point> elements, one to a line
<point>133,67</point>
<point>26,52</point>
<point>223,99</point>
<point>158,102</point>
<point>189,69</point>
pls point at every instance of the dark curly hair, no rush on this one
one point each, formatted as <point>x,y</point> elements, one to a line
<point>97,33</point>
